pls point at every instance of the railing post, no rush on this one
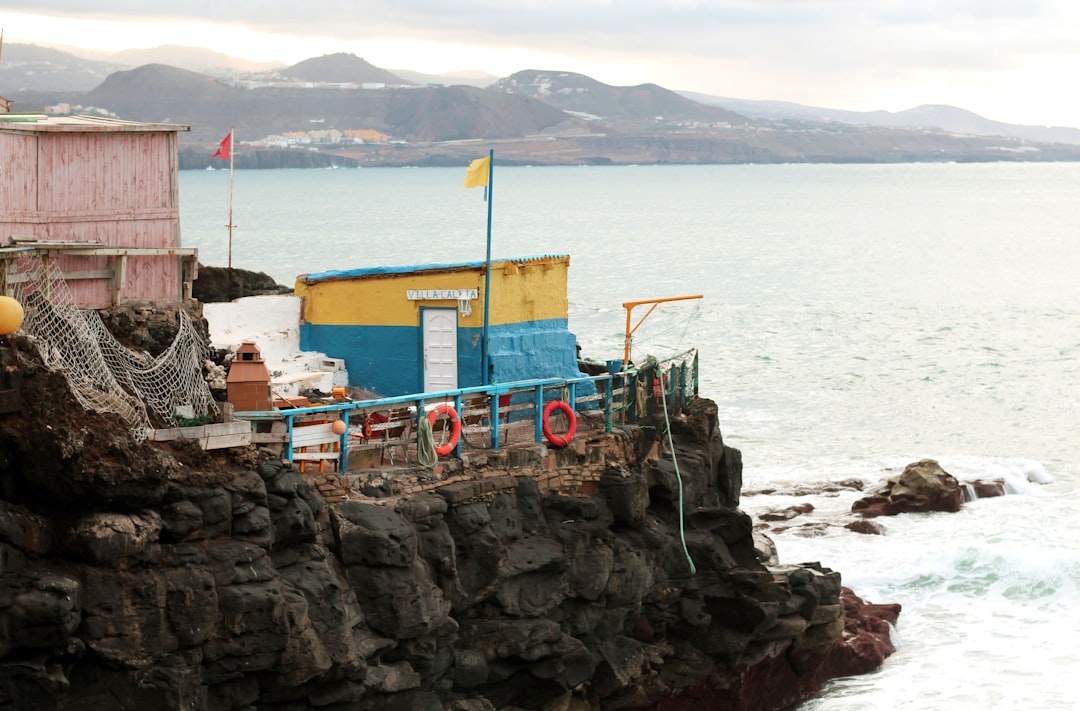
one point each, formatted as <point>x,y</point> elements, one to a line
<point>696,354</point>
<point>680,384</point>
<point>666,387</point>
<point>494,413</point>
<point>460,411</point>
<point>420,412</point>
<point>538,415</point>
<point>343,460</point>
<point>608,392</point>
<point>288,443</point>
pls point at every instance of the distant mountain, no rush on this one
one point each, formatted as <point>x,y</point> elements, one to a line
<point>586,96</point>
<point>29,67</point>
<point>159,93</point>
<point>481,80</point>
<point>942,117</point>
<point>341,68</point>
<point>166,93</point>
<point>33,68</point>
<point>196,59</point>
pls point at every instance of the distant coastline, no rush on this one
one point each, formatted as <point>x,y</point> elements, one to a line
<point>888,148</point>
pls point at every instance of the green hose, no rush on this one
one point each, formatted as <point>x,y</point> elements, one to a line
<point>675,461</point>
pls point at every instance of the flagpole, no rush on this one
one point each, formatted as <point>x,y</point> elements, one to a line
<point>230,225</point>
<point>485,356</point>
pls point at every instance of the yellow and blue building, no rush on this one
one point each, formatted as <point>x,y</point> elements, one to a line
<point>412,329</point>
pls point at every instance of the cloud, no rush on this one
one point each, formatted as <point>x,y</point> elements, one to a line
<point>722,28</point>
<point>641,24</point>
<point>858,52</point>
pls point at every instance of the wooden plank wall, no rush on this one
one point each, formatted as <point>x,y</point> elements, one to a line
<point>18,182</point>
<point>117,188</point>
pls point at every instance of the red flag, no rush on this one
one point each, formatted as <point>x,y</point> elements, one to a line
<point>223,150</point>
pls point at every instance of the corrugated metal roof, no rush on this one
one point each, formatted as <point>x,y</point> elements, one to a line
<point>79,124</point>
<point>384,271</point>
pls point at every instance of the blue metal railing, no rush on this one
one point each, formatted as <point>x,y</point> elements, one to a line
<point>619,394</point>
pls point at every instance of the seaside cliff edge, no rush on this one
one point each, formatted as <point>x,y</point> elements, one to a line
<point>617,573</point>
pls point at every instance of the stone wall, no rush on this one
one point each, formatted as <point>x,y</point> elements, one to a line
<point>574,469</point>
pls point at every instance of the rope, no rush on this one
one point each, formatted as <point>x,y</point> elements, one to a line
<point>689,319</point>
<point>425,444</point>
<point>678,475</point>
<point>654,336</point>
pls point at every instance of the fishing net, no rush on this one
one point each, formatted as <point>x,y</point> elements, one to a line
<point>103,374</point>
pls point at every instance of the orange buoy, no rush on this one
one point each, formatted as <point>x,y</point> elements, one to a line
<point>11,315</point>
<point>455,426</point>
<point>571,418</point>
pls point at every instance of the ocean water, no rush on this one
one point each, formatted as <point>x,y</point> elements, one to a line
<point>855,318</point>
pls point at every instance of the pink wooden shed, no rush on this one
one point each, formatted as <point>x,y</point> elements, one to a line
<point>101,197</point>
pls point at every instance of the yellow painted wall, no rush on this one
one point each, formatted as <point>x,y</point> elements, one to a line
<point>533,291</point>
<point>522,291</point>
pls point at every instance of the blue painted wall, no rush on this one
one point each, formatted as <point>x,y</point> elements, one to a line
<point>387,359</point>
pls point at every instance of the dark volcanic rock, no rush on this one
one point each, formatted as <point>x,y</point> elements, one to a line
<point>627,495</point>
<point>864,526</point>
<point>923,486</point>
<point>188,579</point>
<point>786,514</point>
<point>982,489</point>
<point>775,680</point>
<point>217,284</point>
<point>812,489</point>
<point>147,326</point>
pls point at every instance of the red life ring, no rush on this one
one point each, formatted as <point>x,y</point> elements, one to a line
<point>571,418</point>
<point>455,426</point>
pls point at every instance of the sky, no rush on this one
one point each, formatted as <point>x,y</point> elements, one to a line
<point>1007,60</point>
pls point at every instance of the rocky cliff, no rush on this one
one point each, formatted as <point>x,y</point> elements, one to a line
<point>139,576</point>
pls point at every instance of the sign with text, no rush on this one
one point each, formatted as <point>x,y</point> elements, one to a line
<point>441,294</point>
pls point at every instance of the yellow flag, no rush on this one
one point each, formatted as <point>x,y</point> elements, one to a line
<point>477,172</point>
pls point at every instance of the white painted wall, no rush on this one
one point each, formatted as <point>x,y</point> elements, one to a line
<point>273,324</point>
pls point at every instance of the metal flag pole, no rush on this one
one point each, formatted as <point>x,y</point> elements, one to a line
<point>485,356</point>
<point>230,225</point>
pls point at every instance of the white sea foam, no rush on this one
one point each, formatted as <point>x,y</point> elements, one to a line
<point>1021,476</point>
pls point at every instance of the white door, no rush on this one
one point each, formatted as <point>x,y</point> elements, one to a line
<point>440,349</point>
